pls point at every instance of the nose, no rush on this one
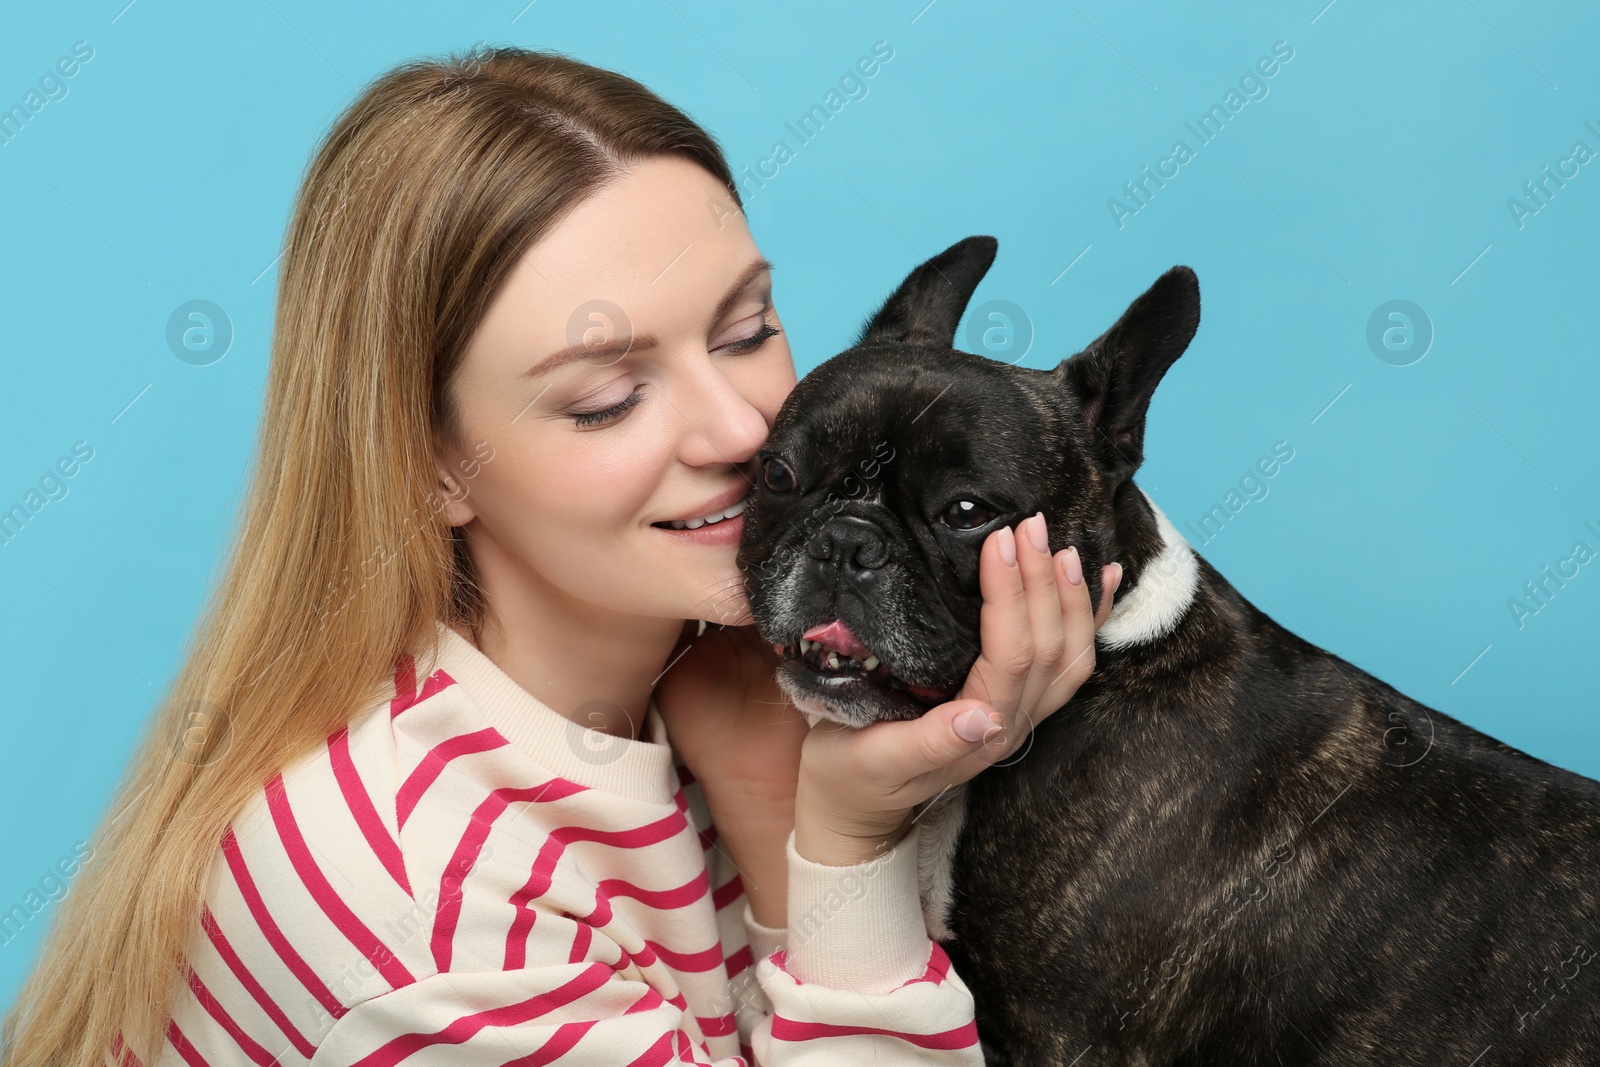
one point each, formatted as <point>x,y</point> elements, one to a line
<point>851,545</point>
<point>723,426</point>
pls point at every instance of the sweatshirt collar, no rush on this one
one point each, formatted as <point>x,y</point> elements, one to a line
<point>640,769</point>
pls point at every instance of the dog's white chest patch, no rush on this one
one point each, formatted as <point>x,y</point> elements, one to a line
<point>1166,588</point>
<point>940,821</point>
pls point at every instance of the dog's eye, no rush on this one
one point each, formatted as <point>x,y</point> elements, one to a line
<point>777,475</point>
<point>966,515</point>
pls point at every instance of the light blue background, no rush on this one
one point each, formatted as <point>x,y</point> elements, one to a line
<point>1419,500</point>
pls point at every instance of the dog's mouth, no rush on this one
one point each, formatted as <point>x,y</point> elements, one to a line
<point>830,655</point>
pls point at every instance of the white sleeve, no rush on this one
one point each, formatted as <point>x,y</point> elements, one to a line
<point>859,980</point>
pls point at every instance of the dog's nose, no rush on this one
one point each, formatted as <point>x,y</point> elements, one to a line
<point>852,543</point>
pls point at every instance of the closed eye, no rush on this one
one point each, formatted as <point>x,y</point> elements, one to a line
<point>741,346</point>
<point>754,341</point>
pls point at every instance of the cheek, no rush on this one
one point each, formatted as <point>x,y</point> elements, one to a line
<point>583,489</point>
<point>767,383</point>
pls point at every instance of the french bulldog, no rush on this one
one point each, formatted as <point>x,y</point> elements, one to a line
<point>1231,847</point>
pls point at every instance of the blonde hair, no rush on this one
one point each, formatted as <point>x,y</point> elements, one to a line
<point>416,206</point>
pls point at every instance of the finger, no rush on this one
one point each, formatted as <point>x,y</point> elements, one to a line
<point>1045,608</point>
<point>1078,624</point>
<point>1005,645</point>
<point>907,754</point>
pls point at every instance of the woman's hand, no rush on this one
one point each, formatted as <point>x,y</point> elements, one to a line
<point>858,787</point>
<point>740,737</point>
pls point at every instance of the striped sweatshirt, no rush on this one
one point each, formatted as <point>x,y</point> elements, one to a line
<point>461,875</point>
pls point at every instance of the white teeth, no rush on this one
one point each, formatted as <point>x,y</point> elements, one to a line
<point>708,520</point>
<point>831,658</point>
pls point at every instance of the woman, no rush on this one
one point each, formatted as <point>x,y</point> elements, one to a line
<point>410,794</point>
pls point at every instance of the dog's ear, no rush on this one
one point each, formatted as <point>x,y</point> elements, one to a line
<point>928,306</point>
<point>1114,378</point>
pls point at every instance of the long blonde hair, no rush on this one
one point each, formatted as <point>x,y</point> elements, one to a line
<point>415,207</point>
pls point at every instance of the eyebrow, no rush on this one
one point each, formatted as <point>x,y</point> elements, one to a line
<point>618,347</point>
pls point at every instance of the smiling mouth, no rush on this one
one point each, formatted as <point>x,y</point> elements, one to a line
<point>729,512</point>
<point>839,658</point>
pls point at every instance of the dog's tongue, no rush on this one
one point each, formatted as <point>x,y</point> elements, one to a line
<point>837,636</point>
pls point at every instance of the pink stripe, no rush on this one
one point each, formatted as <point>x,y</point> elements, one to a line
<point>359,801</point>
<point>405,684</point>
<point>946,1041</point>
<point>448,914</point>
<point>656,1054</point>
<point>128,1058</point>
<point>544,865</point>
<point>638,837</point>
<point>248,980</point>
<point>470,846</point>
<point>679,897</point>
<point>190,1054</point>
<point>582,938</point>
<point>522,923</point>
<point>693,962</point>
<point>738,961</point>
<point>438,758</point>
<point>727,893</point>
<point>258,908</point>
<point>663,829</point>
<point>338,912</point>
<point>463,1029</point>
<point>601,915</point>
<point>559,1045</point>
<point>214,1008</point>
<point>437,682</point>
<point>938,967</point>
<point>650,1001</point>
<point>721,1026</point>
<point>687,1053</point>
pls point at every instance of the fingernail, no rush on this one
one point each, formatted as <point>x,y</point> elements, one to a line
<point>1072,564</point>
<point>976,724</point>
<point>1037,532</point>
<point>1008,547</point>
<point>1116,579</point>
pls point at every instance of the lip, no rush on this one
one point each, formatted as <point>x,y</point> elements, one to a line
<point>726,532</point>
<point>879,678</point>
<point>716,503</point>
<point>827,685</point>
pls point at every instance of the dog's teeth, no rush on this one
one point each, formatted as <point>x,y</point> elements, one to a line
<point>870,662</point>
<point>805,645</point>
<point>833,660</point>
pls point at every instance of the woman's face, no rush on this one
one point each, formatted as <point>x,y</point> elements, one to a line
<point>623,377</point>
